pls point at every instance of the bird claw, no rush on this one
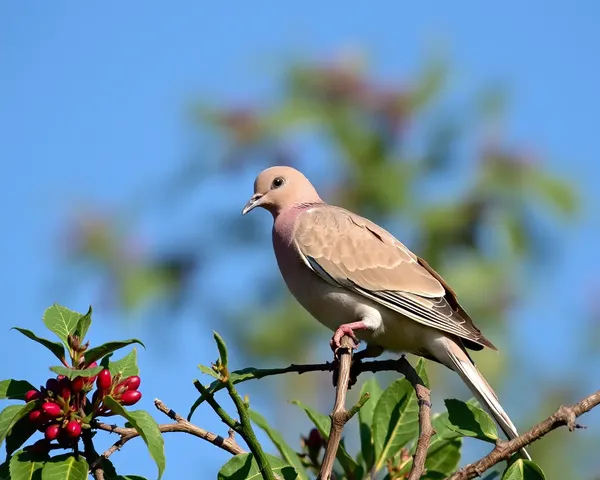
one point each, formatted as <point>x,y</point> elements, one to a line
<point>336,340</point>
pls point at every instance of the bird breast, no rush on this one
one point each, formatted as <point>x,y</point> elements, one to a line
<point>334,306</point>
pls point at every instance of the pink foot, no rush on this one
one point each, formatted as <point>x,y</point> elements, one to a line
<point>346,329</point>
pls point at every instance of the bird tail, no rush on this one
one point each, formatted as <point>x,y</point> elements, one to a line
<point>458,360</point>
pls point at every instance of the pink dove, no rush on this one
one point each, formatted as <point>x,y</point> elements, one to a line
<point>357,279</point>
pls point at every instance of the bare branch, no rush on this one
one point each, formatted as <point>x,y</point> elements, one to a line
<point>425,426</point>
<point>503,450</point>
<point>228,444</point>
<point>182,425</point>
<point>339,415</point>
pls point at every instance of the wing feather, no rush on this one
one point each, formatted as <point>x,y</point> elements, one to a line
<point>352,252</point>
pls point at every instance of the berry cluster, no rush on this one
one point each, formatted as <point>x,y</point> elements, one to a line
<point>63,408</point>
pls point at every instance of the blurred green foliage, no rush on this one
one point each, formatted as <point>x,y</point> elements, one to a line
<point>437,173</point>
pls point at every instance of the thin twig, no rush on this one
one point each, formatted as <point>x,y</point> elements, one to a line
<point>182,425</point>
<point>258,373</point>
<point>243,427</point>
<point>228,444</point>
<point>339,415</point>
<point>504,449</point>
<point>247,432</point>
<point>219,410</point>
<point>251,373</point>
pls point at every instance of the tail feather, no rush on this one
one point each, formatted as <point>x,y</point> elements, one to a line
<point>459,361</point>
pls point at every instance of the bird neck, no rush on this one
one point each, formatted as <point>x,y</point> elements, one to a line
<point>284,220</point>
<point>291,211</point>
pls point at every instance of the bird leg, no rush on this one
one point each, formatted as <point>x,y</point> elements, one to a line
<point>346,329</point>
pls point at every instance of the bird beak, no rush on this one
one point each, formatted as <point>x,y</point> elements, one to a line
<point>252,203</point>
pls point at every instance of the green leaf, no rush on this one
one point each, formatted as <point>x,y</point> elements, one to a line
<point>365,420</point>
<point>14,389</point>
<point>288,454</point>
<point>443,457</point>
<point>126,366</point>
<point>96,353</point>
<point>27,466</point>
<point>194,406</point>
<point>56,348</point>
<point>110,471</point>
<point>222,348</point>
<point>236,376</point>
<point>208,371</point>
<point>395,421</point>
<point>11,415</point>
<point>61,321</point>
<point>20,433</point>
<point>523,470</point>
<point>83,324</point>
<point>66,467</point>
<point>244,467</point>
<point>147,427</point>
<point>470,421</point>
<point>422,372</point>
<point>323,424</point>
<point>73,373</point>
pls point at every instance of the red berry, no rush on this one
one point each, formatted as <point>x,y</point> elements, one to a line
<point>133,383</point>
<point>36,416</point>
<point>104,380</point>
<point>52,431</point>
<point>32,395</point>
<point>64,382</point>
<point>130,397</point>
<point>77,384</point>
<point>73,429</point>
<point>64,388</point>
<point>130,383</point>
<point>52,410</point>
<point>52,385</point>
<point>91,379</point>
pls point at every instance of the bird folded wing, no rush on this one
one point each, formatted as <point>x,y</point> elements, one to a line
<point>354,253</point>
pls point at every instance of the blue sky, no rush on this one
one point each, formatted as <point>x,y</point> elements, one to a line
<point>92,104</point>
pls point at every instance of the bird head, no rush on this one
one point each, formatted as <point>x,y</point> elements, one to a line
<point>279,188</point>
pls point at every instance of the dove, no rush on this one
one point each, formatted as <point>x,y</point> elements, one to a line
<point>357,279</point>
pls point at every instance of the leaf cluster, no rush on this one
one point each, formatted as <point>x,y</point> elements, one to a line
<point>388,427</point>
<point>35,462</point>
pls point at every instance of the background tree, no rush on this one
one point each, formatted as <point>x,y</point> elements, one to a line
<point>484,213</point>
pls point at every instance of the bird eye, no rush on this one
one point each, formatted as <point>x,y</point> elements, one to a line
<point>278,182</point>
